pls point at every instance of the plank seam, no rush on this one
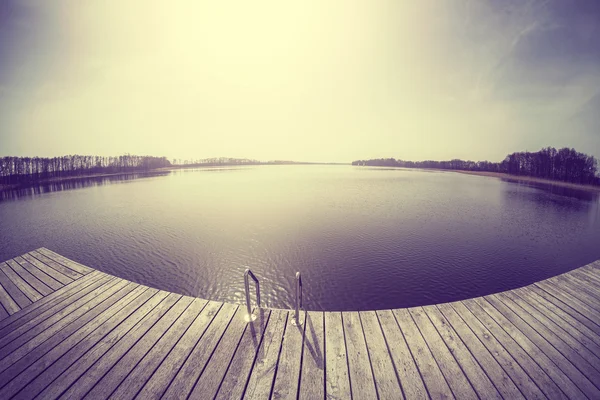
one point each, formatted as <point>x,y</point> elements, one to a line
<point>287,316</point>
<point>579,293</point>
<point>387,346</point>
<point>132,345</point>
<point>347,362</point>
<point>35,306</point>
<point>525,351</point>
<point>214,349</point>
<point>22,264</point>
<point>192,347</point>
<point>301,355</point>
<point>565,304</point>
<point>33,255</point>
<point>432,355</point>
<point>11,298</point>
<point>22,276</point>
<point>255,356</point>
<point>560,339</point>
<point>362,329</point>
<point>123,378</point>
<point>58,262</point>
<point>237,346</point>
<point>109,347</point>
<point>31,296</point>
<point>502,346</point>
<point>112,282</point>
<point>169,352</point>
<point>81,340</point>
<point>483,346</point>
<point>107,333</point>
<point>452,353</point>
<point>544,310</point>
<point>411,354</point>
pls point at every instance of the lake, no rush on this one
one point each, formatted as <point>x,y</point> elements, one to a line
<point>363,238</point>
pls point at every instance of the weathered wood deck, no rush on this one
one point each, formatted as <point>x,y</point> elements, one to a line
<point>68,331</point>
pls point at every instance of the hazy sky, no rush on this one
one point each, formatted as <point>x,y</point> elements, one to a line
<point>305,80</point>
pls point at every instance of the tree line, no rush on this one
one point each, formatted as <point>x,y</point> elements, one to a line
<point>19,170</point>
<point>565,165</point>
<point>226,161</point>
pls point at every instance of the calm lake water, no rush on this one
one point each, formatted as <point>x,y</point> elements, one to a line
<point>363,238</point>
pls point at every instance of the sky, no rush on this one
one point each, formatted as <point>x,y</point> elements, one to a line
<point>329,81</point>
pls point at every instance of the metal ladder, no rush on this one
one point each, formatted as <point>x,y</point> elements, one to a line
<point>252,317</point>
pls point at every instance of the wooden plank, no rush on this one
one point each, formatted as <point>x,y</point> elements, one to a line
<point>26,343</point>
<point>556,313</point>
<point>7,302</point>
<point>312,378</point>
<point>468,364</point>
<point>48,318</point>
<point>587,276</point>
<point>160,380</point>
<point>564,295</point>
<point>88,380</point>
<point>435,382</point>
<point>238,372</point>
<point>484,357</point>
<point>526,374</point>
<point>113,378</point>
<point>262,375</point>
<point>386,380</point>
<point>554,378</point>
<point>572,362</point>
<point>62,278</point>
<point>53,264</point>
<point>585,280</point>
<point>34,363</point>
<point>39,274</point>
<point>190,371</point>
<point>100,345</point>
<point>15,293</point>
<point>593,267</point>
<point>20,283</point>
<point>41,306</point>
<point>362,382</point>
<point>337,376</point>
<point>550,299</point>
<point>456,379</point>
<point>34,282</point>
<point>58,360</point>
<point>210,379</point>
<point>75,266</point>
<point>290,359</point>
<point>588,349</point>
<point>151,361</point>
<point>3,312</point>
<point>578,291</point>
<point>412,384</point>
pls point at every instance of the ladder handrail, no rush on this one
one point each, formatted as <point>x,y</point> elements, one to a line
<point>248,273</point>
<point>296,320</point>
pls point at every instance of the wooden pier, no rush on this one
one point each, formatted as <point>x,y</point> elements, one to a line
<point>68,331</point>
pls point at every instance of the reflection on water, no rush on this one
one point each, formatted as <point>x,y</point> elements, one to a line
<point>363,238</point>
<point>580,194</point>
<point>73,183</point>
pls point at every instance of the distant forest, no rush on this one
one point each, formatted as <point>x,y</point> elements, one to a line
<point>565,164</point>
<point>23,170</point>
<point>218,161</point>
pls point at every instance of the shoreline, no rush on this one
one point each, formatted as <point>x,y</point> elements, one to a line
<point>67,178</point>
<point>523,178</point>
<point>500,175</point>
